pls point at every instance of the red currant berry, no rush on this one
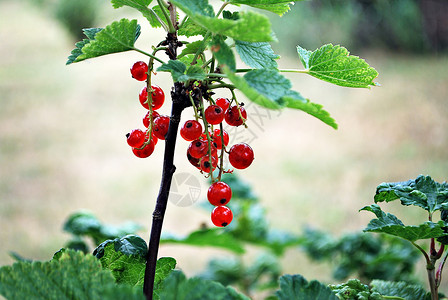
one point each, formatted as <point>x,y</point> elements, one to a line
<point>222,216</point>
<point>139,70</point>
<point>146,151</point>
<point>161,125</point>
<point>214,114</point>
<point>136,138</point>
<point>206,164</point>
<point>232,116</point>
<point>219,193</point>
<point>158,97</point>
<point>223,103</point>
<point>217,138</point>
<point>241,156</point>
<point>191,130</point>
<point>198,148</point>
<point>193,161</point>
<point>146,118</point>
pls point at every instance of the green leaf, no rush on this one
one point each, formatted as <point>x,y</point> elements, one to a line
<point>296,287</point>
<point>208,238</point>
<point>178,287</point>
<point>276,6</point>
<point>423,192</point>
<point>354,289</point>
<point>180,73</point>
<point>399,289</point>
<point>117,37</point>
<point>192,48</point>
<point>269,83</point>
<point>223,53</point>
<point>390,224</point>
<point>142,6</point>
<point>165,265</point>
<point>257,55</point>
<point>188,59</point>
<point>125,257</point>
<point>252,93</point>
<point>189,29</point>
<point>73,276</point>
<point>334,64</point>
<point>153,20</point>
<point>201,13</point>
<point>90,33</point>
<point>294,100</point>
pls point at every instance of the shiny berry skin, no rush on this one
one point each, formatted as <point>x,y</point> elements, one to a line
<point>193,161</point>
<point>232,116</point>
<point>146,118</point>
<point>146,151</point>
<point>214,114</point>
<point>217,138</point>
<point>198,148</point>
<point>219,193</point>
<point>158,97</point>
<point>223,103</point>
<point>139,71</point>
<point>136,138</point>
<point>205,163</point>
<point>161,125</point>
<point>191,130</point>
<point>222,216</point>
<point>241,156</point>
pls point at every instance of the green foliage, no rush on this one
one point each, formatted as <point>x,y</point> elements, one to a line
<point>257,55</point>
<point>354,289</point>
<point>178,287</point>
<point>85,224</point>
<point>400,289</point>
<point>390,224</point>
<point>297,287</point>
<point>423,192</point>
<point>334,64</point>
<point>71,275</point>
<point>117,37</point>
<point>365,255</point>
<point>222,52</point>
<point>179,71</point>
<point>278,7</point>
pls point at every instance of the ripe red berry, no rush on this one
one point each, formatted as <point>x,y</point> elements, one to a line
<point>219,193</point>
<point>194,161</point>
<point>139,70</point>
<point>241,156</point>
<point>232,116</point>
<point>161,125</point>
<point>217,138</point>
<point>198,148</point>
<point>146,118</point>
<point>223,103</point>
<point>222,216</point>
<point>206,164</point>
<point>146,151</point>
<point>158,97</point>
<point>191,130</point>
<point>214,114</point>
<point>136,138</point>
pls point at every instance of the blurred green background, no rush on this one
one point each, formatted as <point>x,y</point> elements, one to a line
<point>62,129</point>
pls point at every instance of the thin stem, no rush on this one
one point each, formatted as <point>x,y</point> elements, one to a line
<point>170,24</point>
<point>440,269</point>
<point>222,85</point>
<point>428,260</point>
<point>147,54</point>
<point>152,12</point>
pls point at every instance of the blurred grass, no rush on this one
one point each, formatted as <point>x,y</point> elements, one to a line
<point>62,145</point>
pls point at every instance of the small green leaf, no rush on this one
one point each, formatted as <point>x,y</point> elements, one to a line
<point>223,53</point>
<point>195,7</point>
<point>189,29</point>
<point>334,64</point>
<point>125,257</point>
<point>399,289</point>
<point>423,192</point>
<point>192,48</point>
<point>90,33</point>
<point>176,68</point>
<point>252,93</point>
<point>354,289</point>
<point>194,72</point>
<point>294,100</point>
<point>257,55</point>
<point>188,59</point>
<point>117,37</point>
<point>269,83</point>
<point>73,275</point>
<point>207,237</point>
<point>276,6</point>
<point>297,287</point>
<point>142,6</point>
<point>390,224</point>
<point>153,20</point>
<point>164,266</point>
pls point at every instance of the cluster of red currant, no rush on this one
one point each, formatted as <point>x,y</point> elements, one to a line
<point>144,141</point>
<point>203,151</point>
<point>205,139</point>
